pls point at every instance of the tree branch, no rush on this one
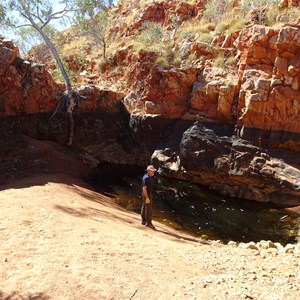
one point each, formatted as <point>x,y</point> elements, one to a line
<point>59,15</point>
<point>23,25</point>
<point>36,16</point>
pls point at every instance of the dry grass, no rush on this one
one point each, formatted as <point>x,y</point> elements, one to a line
<point>219,61</point>
<point>276,16</point>
<point>205,38</point>
<point>162,61</point>
<point>236,25</point>
<point>193,27</point>
<point>199,30</point>
<point>75,46</point>
<point>231,60</point>
<point>192,57</point>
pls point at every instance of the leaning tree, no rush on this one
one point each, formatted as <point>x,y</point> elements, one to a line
<point>38,14</point>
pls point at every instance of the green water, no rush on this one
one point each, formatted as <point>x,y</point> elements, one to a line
<point>202,213</point>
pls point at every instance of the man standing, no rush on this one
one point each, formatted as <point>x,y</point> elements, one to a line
<point>147,185</point>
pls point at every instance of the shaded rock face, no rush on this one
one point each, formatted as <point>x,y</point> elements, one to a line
<point>213,155</point>
<point>204,153</point>
<point>215,127</point>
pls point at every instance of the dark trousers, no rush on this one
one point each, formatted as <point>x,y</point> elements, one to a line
<point>146,213</point>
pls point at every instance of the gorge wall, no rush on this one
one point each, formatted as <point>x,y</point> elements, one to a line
<point>234,130</point>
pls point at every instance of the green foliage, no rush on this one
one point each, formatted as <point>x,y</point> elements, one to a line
<point>169,53</point>
<point>39,13</point>
<point>271,16</point>
<point>223,62</point>
<point>205,38</point>
<point>29,37</point>
<point>216,9</point>
<point>236,25</point>
<point>224,25</point>
<point>80,58</point>
<point>172,56</point>
<point>89,9</point>
<point>192,57</point>
<point>177,60</point>
<point>276,15</point>
<point>97,27</point>
<point>191,28</point>
<point>219,61</point>
<point>174,22</point>
<point>230,24</point>
<point>187,33</point>
<point>16,12</point>
<point>261,7</point>
<point>231,60</point>
<point>151,35</point>
<point>162,61</point>
<point>2,12</point>
<point>206,27</point>
<point>57,75</point>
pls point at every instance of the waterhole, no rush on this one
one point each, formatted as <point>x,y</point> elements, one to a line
<point>196,210</point>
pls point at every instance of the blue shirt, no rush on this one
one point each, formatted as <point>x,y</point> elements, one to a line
<point>148,182</point>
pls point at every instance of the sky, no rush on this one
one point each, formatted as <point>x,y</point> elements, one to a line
<point>12,35</point>
<point>57,7</point>
<point>25,46</point>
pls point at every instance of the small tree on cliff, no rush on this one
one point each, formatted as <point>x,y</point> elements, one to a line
<point>38,14</point>
<point>97,26</point>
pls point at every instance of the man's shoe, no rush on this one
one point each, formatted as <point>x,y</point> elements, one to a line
<point>151,226</point>
<point>143,223</point>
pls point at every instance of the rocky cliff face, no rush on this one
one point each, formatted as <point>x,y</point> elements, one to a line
<point>269,75</point>
<point>234,129</point>
<point>24,87</point>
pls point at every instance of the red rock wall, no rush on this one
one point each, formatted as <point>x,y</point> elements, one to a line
<point>269,74</point>
<point>24,87</point>
<point>261,93</point>
<point>290,3</point>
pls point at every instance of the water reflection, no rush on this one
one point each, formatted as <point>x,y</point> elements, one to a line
<point>205,213</point>
<point>202,213</point>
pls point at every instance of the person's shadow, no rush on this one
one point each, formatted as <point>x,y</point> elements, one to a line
<point>182,238</point>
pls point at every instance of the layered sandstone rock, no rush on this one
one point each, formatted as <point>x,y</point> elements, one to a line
<point>269,75</point>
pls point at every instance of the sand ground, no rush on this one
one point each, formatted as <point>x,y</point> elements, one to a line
<point>59,239</point>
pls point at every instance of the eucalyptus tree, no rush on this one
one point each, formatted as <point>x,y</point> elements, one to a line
<point>28,37</point>
<point>97,26</point>
<point>38,14</point>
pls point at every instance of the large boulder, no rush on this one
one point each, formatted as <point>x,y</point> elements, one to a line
<point>212,155</point>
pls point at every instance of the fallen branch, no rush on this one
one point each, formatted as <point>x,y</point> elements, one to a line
<point>133,295</point>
